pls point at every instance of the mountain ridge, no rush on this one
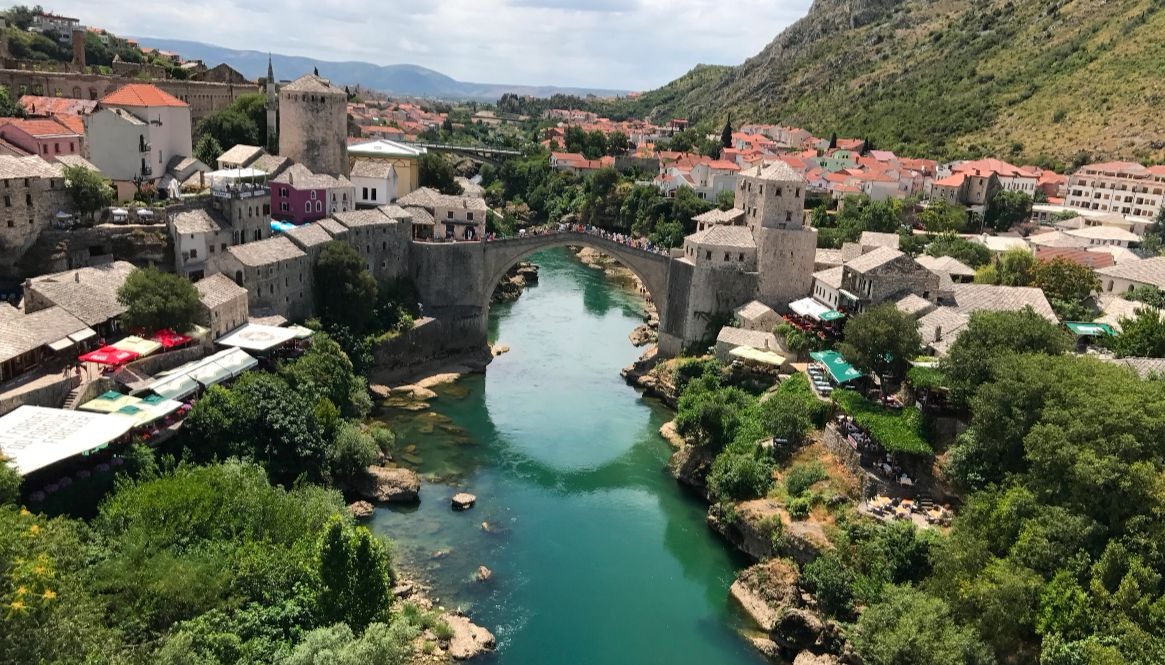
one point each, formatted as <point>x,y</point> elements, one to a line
<point>1038,80</point>
<point>400,79</point>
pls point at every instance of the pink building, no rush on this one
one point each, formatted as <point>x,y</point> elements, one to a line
<point>300,196</point>
<point>45,137</point>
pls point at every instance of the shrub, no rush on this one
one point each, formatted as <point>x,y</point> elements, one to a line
<point>803,476</point>
<point>897,431</point>
<point>740,476</point>
<point>831,582</point>
<point>799,507</point>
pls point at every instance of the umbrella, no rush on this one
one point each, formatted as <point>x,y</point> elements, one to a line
<point>170,339</point>
<point>108,355</point>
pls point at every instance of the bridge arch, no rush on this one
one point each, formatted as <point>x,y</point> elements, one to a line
<point>651,268</point>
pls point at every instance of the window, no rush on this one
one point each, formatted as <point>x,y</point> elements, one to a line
<point>364,193</point>
<point>727,257</point>
<point>778,191</point>
<point>194,253</point>
<point>11,224</point>
<point>708,255</point>
<point>313,195</point>
<point>284,207</point>
<point>283,191</point>
<point>742,256</point>
<point>319,206</point>
<point>373,194</point>
<point>449,215</point>
<point>788,215</point>
<point>7,201</point>
<point>307,206</point>
<point>797,192</point>
<point>469,216</point>
<point>210,248</point>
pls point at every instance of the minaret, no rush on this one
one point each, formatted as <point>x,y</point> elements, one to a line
<point>272,110</point>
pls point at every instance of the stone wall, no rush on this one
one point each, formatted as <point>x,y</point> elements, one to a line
<point>449,280</point>
<point>51,395</point>
<point>313,130</point>
<point>785,260</point>
<point>30,207</point>
<point>161,362</point>
<point>713,293</point>
<point>56,250</point>
<point>673,317</point>
<point>411,351</point>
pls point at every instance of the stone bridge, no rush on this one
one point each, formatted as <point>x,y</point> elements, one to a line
<point>455,280</point>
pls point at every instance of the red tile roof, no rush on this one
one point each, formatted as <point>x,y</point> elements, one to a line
<point>954,180</point>
<point>1081,257</point>
<point>39,127</point>
<point>141,94</point>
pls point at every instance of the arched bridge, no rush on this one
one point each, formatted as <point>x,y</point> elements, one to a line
<point>650,267</point>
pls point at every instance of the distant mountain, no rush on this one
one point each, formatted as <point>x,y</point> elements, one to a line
<point>1024,80</point>
<point>404,80</point>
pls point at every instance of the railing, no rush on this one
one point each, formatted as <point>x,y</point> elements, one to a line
<point>143,146</point>
<point>147,170</point>
<point>579,231</point>
<point>242,192</point>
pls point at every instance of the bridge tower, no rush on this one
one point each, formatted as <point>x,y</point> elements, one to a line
<point>773,200</point>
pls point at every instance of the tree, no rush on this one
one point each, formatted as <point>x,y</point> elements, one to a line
<point>740,475</point>
<point>1015,267</point>
<point>991,336</point>
<point>1006,208</point>
<point>10,481</point>
<point>345,289</point>
<point>882,340</point>
<point>784,417</point>
<point>436,172</point>
<point>1141,336</point>
<point>88,192</point>
<point>726,134</point>
<point>1066,283</point>
<point>156,300</point>
<point>725,199</point>
<point>910,627</point>
<point>336,645</point>
<point>352,451</point>
<point>942,217</point>
<point>1148,294</point>
<point>10,108</point>
<point>617,144</point>
<point>356,574</point>
<point>243,122</point>
<point>208,149</point>
<point>974,254</point>
<point>1154,239</point>
<point>325,371</point>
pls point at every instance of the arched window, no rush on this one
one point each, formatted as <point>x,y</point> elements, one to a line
<point>319,206</point>
<point>307,206</point>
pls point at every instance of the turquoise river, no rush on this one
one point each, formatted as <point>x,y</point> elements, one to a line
<point>597,555</point>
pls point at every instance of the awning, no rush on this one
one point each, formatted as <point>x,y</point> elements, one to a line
<point>256,337</point>
<point>815,310</point>
<point>61,344</point>
<point>301,332</point>
<point>107,355</point>
<point>757,355</point>
<point>170,339</point>
<point>135,344</point>
<point>1085,329</point>
<point>847,294</point>
<point>109,402</point>
<point>145,411</point>
<point>174,387</point>
<point>839,369</point>
<point>832,315</point>
<point>83,335</point>
<point>33,437</point>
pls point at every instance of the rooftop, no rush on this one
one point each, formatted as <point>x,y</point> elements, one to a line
<point>968,298</point>
<point>1146,271</point>
<point>313,83</point>
<point>718,216</point>
<point>141,95</point>
<point>737,237</point>
<point>265,252</point>
<point>22,333</point>
<point>830,277</point>
<point>308,235</point>
<point>41,128</point>
<point>198,220</point>
<point>778,171</point>
<point>384,148</point>
<point>372,168</point>
<point>829,257</point>
<point>754,338</point>
<point>333,227</point>
<point>875,239</point>
<point>915,305</point>
<point>218,289</point>
<point>431,199</point>
<point>357,218</point>
<point>754,310</point>
<point>1105,233</point>
<point>27,167</point>
<point>90,294</point>
<point>241,154</point>
<point>874,259</point>
<point>945,264</point>
<point>300,177</point>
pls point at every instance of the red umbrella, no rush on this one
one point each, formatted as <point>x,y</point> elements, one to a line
<point>108,355</point>
<point>169,339</point>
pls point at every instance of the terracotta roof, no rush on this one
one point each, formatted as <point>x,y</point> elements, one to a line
<point>141,95</point>
<point>40,127</point>
<point>217,289</point>
<point>38,105</point>
<point>1078,256</point>
<point>953,180</point>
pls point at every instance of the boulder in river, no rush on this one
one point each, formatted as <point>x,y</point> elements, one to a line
<point>469,640</point>
<point>482,574</point>
<point>389,485</point>
<point>810,658</point>
<point>463,501</point>
<point>361,510</point>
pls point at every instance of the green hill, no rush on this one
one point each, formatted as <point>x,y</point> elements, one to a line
<point>1023,79</point>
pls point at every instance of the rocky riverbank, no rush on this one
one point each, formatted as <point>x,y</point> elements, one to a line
<point>516,279</point>
<point>648,333</point>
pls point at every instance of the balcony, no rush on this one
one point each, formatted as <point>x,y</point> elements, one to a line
<point>143,146</point>
<point>239,191</point>
<point>147,170</point>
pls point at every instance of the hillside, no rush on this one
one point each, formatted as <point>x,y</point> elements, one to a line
<point>410,80</point>
<point>1025,79</point>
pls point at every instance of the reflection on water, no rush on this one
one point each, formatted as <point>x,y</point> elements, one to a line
<point>597,555</point>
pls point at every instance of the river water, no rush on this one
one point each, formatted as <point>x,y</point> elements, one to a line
<point>597,555</point>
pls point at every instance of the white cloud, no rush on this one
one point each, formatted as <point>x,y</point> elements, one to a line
<point>630,44</point>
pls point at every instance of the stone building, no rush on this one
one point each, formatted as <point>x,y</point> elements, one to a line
<point>224,304</point>
<point>313,125</point>
<point>722,247</point>
<point>198,238</point>
<point>381,236</point>
<point>881,275</point>
<point>239,156</point>
<point>773,201</point>
<point>90,294</point>
<point>34,192</point>
<point>275,274</point>
<point>455,217</point>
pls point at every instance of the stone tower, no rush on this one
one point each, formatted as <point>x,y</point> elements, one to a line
<point>773,201</point>
<point>313,125</point>
<point>272,110</point>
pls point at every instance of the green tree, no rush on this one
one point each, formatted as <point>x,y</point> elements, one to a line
<point>344,288</point>
<point>1066,284</point>
<point>336,645</point>
<point>437,172</point>
<point>10,481</point>
<point>910,627</point>
<point>991,336</point>
<point>785,417</point>
<point>1154,239</point>
<point>352,451</point>
<point>882,340</point>
<point>726,133</point>
<point>1150,295</point>
<point>1015,267</point>
<point>208,150</point>
<point>1006,208</point>
<point>831,583</point>
<point>355,570</point>
<point>741,474</point>
<point>10,108</point>
<point>88,192</point>
<point>156,300</point>
<point>617,144</point>
<point>974,254</point>
<point>725,199</point>
<point>243,122</point>
<point>1143,335</point>
<point>942,217</point>
<point>325,371</point>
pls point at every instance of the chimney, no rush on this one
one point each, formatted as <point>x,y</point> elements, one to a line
<point>938,333</point>
<point>79,49</point>
<point>77,277</point>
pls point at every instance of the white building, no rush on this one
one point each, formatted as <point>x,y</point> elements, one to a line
<point>135,133</point>
<point>1124,187</point>
<point>375,182</point>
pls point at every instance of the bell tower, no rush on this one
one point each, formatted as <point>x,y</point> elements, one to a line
<point>272,110</point>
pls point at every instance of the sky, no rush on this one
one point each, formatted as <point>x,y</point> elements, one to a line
<point>619,44</point>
